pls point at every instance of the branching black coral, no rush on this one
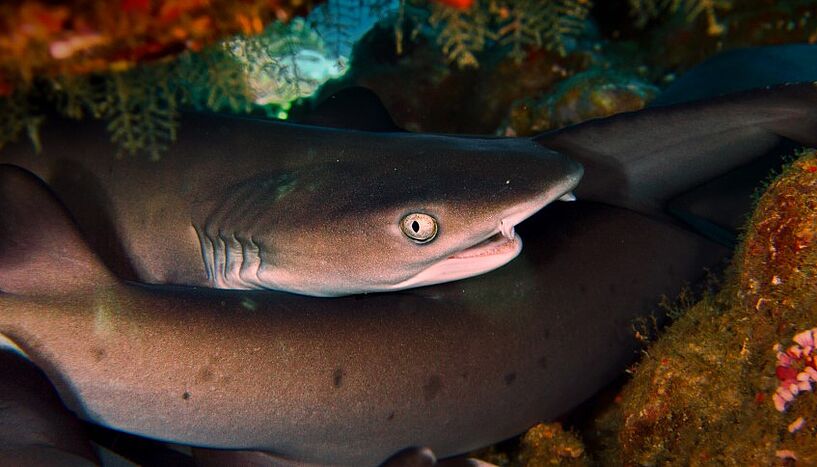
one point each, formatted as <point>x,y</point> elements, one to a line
<point>144,111</point>
<point>77,96</point>
<point>338,21</point>
<point>462,34</point>
<point>644,10</point>
<point>17,115</point>
<point>215,80</point>
<point>540,24</point>
<point>519,24</point>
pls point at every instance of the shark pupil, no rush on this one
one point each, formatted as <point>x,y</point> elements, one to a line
<point>419,227</point>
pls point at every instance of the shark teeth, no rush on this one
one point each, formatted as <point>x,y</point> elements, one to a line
<point>506,228</point>
<point>569,196</point>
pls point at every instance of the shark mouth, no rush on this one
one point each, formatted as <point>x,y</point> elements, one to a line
<point>487,255</point>
<point>497,244</point>
<point>491,253</point>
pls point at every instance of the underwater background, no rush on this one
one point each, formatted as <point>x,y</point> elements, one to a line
<point>722,384</point>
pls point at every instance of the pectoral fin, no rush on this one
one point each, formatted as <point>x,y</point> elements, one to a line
<point>41,249</point>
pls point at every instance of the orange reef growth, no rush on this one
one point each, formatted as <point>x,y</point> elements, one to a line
<point>544,444</point>
<point>39,38</point>
<point>590,94</point>
<point>731,380</point>
<point>460,4</point>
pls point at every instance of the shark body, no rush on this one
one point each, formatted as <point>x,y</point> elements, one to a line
<point>347,380</point>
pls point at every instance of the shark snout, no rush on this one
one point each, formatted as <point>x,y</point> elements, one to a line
<point>557,184</point>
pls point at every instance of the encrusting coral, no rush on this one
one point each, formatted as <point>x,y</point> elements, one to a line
<point>544,444</point>
<point>732,380</point>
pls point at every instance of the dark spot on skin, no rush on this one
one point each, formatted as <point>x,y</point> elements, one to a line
<point>464,375</point>
<point>546,334</point>
<point>432,387</point>
<point>510,378</point>
<point>186,395</point>
<point>583,289</point>
<point>337,377</point>
<point>390,417</point>
<point>206,375</point>
<point>542,362</point>
<point>612,289</point>
<point>98,354</point>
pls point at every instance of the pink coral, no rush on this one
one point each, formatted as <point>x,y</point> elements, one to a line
<point>796,368</point>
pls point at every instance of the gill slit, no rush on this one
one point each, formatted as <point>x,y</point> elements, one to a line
<point>230,262</point>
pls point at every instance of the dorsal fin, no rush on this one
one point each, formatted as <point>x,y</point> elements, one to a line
<point>354,108</point>
<point>641,160</point>
<point>41,250</point>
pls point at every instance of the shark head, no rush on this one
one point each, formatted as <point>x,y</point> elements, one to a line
<point>405,211</point>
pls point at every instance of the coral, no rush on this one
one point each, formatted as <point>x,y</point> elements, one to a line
<point>141,102</point>
<point>74,57</point>
<point>544,444</point>
<point>745,23</point>
<point>16,115</point>
<point>519,24</point>
<point>549,444</point>
<point>144,111</point>
<point>462,34</point>
<point>708,391</point>
<point>81,36</point>
<point>644,10</point>
<point>133,62</point>
<point>591,94</point>
<point>796,371</point>
<point>540,24</point>
<point>215,79</point>
<point>341,23</point>
<point>461,4</point>
<point>286,62</point>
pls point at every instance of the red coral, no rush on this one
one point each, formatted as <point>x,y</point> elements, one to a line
<point>459,4</point>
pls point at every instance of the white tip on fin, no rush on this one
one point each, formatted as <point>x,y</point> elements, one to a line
<point>569,196</point>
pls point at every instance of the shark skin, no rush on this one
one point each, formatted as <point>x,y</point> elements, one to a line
<point>349,380</point>
<point>35,428</point>
<point>244,203</point>
<point>642,160</point>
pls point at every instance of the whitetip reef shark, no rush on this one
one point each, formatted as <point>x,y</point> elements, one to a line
<point>352,380</point>
<point>242,203</point>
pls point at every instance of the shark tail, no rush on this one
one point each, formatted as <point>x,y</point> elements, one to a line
<point>41,250</point>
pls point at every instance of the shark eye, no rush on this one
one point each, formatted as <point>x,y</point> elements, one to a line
<point>419,227</point>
